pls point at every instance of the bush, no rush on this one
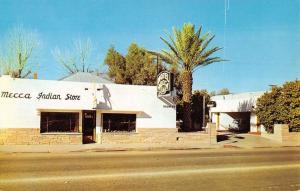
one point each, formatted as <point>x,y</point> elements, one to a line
<point>280,106</point>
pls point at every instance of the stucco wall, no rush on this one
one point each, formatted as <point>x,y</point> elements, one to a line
<point>282,135</point>
<point>228,120</point>
<point>25,113</point>
<point>242,102</point>
<point>225,121</point>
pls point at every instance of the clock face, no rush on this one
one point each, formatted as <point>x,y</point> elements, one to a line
<point>163,83</point>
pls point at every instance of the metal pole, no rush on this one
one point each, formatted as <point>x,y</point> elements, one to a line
<point>203,119</point>
<point>156,65</point>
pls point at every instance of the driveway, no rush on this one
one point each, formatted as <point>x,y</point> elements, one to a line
<point>244,140</point>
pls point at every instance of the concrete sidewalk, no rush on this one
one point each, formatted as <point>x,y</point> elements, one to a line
<point>100,147</point>
<point>225,140</point>
<point>246,140</point>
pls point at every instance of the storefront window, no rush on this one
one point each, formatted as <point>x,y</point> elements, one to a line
<point>59,122</point>
<point>119,122</point>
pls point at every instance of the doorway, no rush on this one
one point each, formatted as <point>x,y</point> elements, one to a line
<point>88,126</point>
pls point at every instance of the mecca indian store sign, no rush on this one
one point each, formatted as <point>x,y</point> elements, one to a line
<point>164,88</point>
<point>39,96</point>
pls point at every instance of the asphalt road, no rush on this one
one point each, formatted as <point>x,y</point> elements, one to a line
<point>223,169</point>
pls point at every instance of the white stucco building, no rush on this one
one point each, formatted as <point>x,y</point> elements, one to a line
<point>44,112</point>
<point>236,111</point>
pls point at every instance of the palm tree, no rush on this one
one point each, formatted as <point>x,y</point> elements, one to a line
<point>188,51</point>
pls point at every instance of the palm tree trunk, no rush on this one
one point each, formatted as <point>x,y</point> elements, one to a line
<point>187,82</point>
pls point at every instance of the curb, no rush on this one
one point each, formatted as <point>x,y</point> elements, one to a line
<point>120,149</point>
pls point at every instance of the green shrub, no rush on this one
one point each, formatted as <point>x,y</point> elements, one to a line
<point>280,106</point>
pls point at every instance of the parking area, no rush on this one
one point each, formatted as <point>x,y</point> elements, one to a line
<point>244,140</point>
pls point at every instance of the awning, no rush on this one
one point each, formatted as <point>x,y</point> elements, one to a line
<point>140,114</point>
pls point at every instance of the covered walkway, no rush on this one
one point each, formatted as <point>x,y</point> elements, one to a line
<point>235,112</point>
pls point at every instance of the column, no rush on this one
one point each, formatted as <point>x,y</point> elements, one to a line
<point>98,127</point>
<point>218,121</point>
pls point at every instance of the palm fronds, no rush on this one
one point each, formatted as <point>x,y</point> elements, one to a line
<point>188,49</point>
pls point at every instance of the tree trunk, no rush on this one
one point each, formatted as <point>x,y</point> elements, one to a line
<point>187,82</point>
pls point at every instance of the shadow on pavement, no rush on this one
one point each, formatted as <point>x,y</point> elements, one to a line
<point>239,137</point>
<point>224,137</point>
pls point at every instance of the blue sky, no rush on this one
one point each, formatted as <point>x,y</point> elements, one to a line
<point>261,38</point>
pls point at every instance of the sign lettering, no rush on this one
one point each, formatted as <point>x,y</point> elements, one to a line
<point>72,97</point>
<point>15,95</point>
<point>40,96</point>
<point>47,96</point>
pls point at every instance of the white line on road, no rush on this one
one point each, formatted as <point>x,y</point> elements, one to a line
<point>148,174</point>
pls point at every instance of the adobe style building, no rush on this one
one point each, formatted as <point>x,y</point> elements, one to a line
<point>80,109</point>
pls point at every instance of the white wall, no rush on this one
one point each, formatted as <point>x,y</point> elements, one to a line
<point>242,102</point>
<point>225,121</point>
<point>144,101</point>
<point>253,123</point>
<point>24,113</point>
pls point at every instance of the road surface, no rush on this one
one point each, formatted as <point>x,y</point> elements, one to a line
<point>210,169</point>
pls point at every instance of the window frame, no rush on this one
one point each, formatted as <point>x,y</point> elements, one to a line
<point>74,118</point>
<point>106,130</point>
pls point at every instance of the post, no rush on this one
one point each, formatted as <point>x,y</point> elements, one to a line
<point>156,65</point>
<point>203,110</point>
<point>212,133</point>
<point>98,127</point>
<point>218,121</point>
<point>281,131</point>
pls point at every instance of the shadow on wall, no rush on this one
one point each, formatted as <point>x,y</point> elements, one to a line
<point>243,121</point>
<point>246,106</point>
<point>143,115</point>
<point>106,105</point>
<point>106,95</point>
<point>169,102</point>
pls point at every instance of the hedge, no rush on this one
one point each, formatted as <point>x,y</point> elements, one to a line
<point>280,106</point>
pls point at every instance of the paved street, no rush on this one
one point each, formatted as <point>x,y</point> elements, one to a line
<point>207,169</point>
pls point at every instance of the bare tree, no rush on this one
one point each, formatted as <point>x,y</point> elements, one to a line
<point>76,59</point>
<point>16,57</point>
